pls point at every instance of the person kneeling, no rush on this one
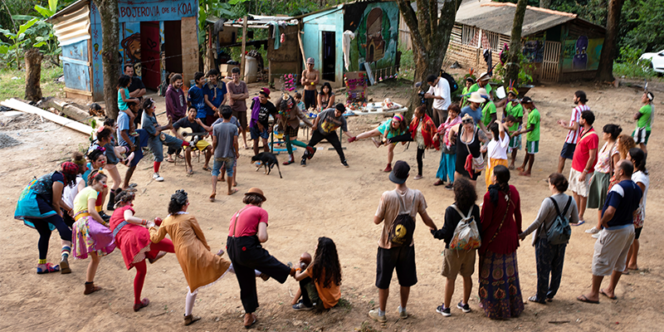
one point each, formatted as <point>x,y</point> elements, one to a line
<point>320,282</point>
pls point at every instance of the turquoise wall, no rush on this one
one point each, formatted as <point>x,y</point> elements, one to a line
<point>312,43</point>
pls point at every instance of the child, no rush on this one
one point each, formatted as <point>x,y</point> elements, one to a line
<point>196,97</point>
<point>124,99</point>
<point>299,102</point>
<point>448,156</point>
<point>320,281</point>
<point>532,139</point>
<point>513,108</point>
<point>466,90</point>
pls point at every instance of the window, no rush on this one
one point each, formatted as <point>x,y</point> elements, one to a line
<point>469,35</point>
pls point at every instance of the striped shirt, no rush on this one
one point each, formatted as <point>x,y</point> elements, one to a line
<point>573,135</point>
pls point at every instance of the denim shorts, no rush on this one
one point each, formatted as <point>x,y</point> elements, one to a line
<point>255,132</point>
<point>220,162</point>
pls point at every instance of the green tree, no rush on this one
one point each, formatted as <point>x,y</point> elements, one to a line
<point>512,66</point>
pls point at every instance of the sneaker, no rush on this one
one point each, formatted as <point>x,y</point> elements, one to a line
<point>157,178</point>
<point>596,235</point>
<point>449,186</point>
<point>464,307</point>
<point>345,164</point>
<point>375,316</point>
<point>301,306</point>
<point>443,311</point>
<point>303,163</point>
<point>402,313</point>
<point>593,230</point>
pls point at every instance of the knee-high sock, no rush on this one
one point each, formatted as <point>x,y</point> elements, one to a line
<point>189,303</point>
<point>139,280</point>
<point>156,166</point>
<point>66,250</point>
<point>289,147</point>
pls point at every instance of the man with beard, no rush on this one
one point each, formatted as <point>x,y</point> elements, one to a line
<point>574,129</point>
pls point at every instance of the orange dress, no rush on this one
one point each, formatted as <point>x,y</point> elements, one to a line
<point>200,266</point>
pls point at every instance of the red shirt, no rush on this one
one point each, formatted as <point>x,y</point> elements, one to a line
<point>507,212</point>
<point>247,222</point>
<point>588,141</point>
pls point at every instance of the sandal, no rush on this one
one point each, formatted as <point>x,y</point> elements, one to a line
<point>583,298</point>
<point>190,171</point>
<point>212,197</point>
<point>536,300</point>
<point>50,268</point>
<point>170,159</point>
<point>252,323</point>
<point>601,291</point>
<point>206,168</point>
<point>233,191</point>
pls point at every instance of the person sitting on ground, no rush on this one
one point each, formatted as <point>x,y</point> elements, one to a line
<point>644,120</point>
<point>225,146</point>
<point>259,126</point>
<point>532,138</point>
<point>457,262</point>
<point>290,116</point>
<point>550,257</point>
<point>325,126</point>
<point>614,242</point>
<point>320,282</point>
<point>325,97</point>
<point>133,238</point>
<point>391,128</point>
<point>448,155</point>
<point>201,131</point>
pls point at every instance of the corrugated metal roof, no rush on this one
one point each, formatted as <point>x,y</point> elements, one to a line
<point>499,18</point>
<point>72,26</point>
<point>71,8</point>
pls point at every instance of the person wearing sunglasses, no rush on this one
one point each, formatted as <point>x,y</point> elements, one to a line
<point>467,138</point>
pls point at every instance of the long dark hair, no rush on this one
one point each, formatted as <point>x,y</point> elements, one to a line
<point>124,81</point>
<point>495,130</point>
<point>326,84</point>
<point>326,259</point>
<point>502,183</point>
<point>639,158</point>
<point>464,194</point>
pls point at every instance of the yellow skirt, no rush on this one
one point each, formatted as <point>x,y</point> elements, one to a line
<point>489,173</point>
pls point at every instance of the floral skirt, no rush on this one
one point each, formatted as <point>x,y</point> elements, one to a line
<point>90,236</point>
<point>500,292</point>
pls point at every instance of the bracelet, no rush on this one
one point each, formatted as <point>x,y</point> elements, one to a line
<point>144,222</point>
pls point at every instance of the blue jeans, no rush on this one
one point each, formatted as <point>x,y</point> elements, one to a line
<point>446,167</point>
<point>256,133</point>
<point>550,259</point>
<point>157,146</point>
<point>219,163</point>
<point>140,142</point>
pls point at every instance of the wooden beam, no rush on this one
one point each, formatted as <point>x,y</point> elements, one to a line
<point>299,40</point>
<point>80,92</point>
<point>69,123</point>
<point>244,47</point>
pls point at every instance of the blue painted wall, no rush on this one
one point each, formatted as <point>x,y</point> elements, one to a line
<point>314,25</point>
<point>77,76</point>
<point>97,70</point>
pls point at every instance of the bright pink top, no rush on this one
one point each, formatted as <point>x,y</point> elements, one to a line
<point>247,222</point>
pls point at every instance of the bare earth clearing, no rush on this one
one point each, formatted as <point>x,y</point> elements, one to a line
<point>323,199</point>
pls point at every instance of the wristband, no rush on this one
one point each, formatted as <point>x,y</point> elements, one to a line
<point>144,222</point>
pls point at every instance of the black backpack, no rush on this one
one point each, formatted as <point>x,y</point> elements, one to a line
<point>453,84</point>
<point>403,226</point>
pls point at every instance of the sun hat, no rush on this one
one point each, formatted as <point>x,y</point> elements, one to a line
<point>475,97</point>
<point>483,93</point>
<point>257,192</point>
<point>399,173</point>
<point>484,77</point>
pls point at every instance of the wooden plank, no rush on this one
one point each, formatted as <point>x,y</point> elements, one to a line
<point>80,92</point>
<point>244,47</point>
<point>69,123</point>
<point>299,40</point>
<point>190,56</point>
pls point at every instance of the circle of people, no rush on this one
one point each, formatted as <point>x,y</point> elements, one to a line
<point>612,179</point>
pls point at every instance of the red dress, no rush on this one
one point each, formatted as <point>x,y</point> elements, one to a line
<point>507,239</point>
<point>133,240</point>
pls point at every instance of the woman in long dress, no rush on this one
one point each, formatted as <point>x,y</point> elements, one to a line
<point>200,266</point>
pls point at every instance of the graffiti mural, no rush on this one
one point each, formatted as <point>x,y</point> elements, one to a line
<point>376,29</point>
<point>582,54</point>
<point>533,50</point>
<point>375,42</point>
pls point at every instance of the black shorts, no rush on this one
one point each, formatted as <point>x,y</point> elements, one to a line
<point>637,233</point>
<point>403,259</point>
<point>568,151</point>
<point>309,99</point>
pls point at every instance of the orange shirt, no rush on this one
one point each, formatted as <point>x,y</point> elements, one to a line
<point>331,295</point>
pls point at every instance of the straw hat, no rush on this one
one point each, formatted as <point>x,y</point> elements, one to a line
<point>256,191</point>
<point>476,97</point>
<point>484,77</point>
<point>483,93</point>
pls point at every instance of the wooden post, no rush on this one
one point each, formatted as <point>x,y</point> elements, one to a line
<point>269,72</point>
<point>244,47</point>
<point>33,59</point>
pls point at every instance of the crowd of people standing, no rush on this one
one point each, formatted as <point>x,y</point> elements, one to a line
<point>614,180</point>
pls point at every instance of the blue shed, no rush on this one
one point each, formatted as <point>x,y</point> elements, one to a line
<point>156,37</point>
<point>351,37</point>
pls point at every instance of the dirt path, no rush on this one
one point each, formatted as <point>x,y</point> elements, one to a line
<point>323,199</point>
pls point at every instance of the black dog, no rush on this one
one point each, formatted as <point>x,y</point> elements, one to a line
<point>268,160</point>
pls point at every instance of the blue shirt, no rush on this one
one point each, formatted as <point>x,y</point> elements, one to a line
<point>195,97</point>
<point>215,95</point>
<point>624,197</point>
<point>477,114</point>
<point>123,124</point>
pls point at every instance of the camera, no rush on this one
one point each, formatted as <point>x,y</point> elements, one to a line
<point>421,92</point>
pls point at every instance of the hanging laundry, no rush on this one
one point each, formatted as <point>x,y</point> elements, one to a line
<point>345,46</point>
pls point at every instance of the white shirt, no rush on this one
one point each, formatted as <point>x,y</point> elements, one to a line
<point>573,135</point>
<point>498,149</point>
<point>645,179</point>
<point>441,89</point>
<point>70,192</point>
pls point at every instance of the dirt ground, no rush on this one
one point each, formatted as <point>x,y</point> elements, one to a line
<point>323,199</point>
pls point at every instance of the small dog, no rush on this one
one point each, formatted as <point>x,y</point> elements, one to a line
<point>268,160</point>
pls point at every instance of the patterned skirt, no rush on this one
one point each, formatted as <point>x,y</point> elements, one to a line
<point>500,291</point>
<point>291,132</point>
<point>90,236</point>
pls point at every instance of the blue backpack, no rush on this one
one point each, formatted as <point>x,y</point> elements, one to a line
<point>560,231</point>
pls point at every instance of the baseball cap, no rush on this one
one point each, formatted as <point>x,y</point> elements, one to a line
<point>310,60</point>
<point>400,172</point>
<point>266,92</point>
<point>526,100</point>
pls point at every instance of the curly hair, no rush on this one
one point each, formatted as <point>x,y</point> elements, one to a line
<point>178,200</point>
<point>124,197</point>
<point>326,260</point>
<point>625,143</point>
<point>252,199</point>
<point>464,194</point>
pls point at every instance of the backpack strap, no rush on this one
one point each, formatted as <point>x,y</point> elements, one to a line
<point>569,202</point>
<point>470,212</point>
<point>556,205</point>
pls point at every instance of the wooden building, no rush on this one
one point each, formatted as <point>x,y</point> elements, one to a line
<point>156,37</point>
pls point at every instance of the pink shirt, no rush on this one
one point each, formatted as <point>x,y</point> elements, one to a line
<point>247,222</point>
<point>573,135</point>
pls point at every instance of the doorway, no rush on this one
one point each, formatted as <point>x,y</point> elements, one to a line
<point>172,47</point>
<point>329,56</point>
<point>150,62</point>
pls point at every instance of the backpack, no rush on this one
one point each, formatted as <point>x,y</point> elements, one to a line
<point>466,235</point>
<point>450,80</point>
<point>403,226</point>
<point>560,231</point>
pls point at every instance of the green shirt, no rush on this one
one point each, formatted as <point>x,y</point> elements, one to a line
<point>533,122</point>
<point>489,108</point>
<point>516,112</point>
<point>475,87</point>
<point>464,93</point>
<point>645,119</point>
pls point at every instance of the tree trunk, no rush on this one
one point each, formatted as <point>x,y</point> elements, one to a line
<point>605,69</point>
<point>33,59</point>
<point>512,65</point>
<point>110,29</point>
<point>545,4</point>
<point>430,32</point>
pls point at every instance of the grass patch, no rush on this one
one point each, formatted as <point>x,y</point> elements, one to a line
<point>634,70</point>
<point>10,87</point>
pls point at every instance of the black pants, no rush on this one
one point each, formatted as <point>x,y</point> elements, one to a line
<point>420,156</point>
<point>309,99</point>
<point>41,225</point>
<point>309,293</point>
<point>420,152</point>
<point>332,137</point>
<point>247,255</point>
